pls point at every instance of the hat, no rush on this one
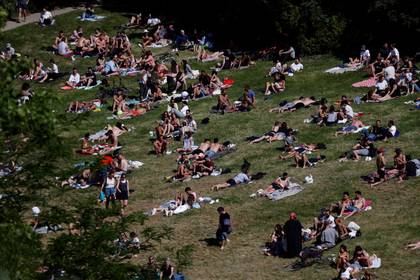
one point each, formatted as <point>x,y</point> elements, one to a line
<point>381,150</point>
<point>146,31</point>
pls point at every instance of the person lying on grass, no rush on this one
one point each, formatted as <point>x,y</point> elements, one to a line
<point>81,179</point>
<point>303,161</point>
<point>355,125</point>
<point>240,178</point>
<point>365,148</point>
<point>291,150</point>
<point>294,105</point>
<point>413,246</point>
<point>182,203</point>
<point>358,264</point>
<point>277,133</point>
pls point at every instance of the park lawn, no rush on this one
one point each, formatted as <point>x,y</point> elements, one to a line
<point>393,222</point>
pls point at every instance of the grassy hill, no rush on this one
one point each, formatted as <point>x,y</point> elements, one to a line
<point>394,220</point>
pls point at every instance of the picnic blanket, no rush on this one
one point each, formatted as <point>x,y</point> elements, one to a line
<point>343,69</point>
<point>99,149</point>
<point>94,18</point>
<point>98,83</point>
<point>366,207</point>
<point>294,188</point>
<point>376,263</point>
<point>365,83</point>
<point>361,128</point>
<point>128,114</point>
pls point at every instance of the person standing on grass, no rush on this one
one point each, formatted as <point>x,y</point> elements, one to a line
<point>22,6</point>
<point>224,229</point>
<point>293,234</point>
<point>108,187</point>
<point>380,165</point>
<point>123,190</point>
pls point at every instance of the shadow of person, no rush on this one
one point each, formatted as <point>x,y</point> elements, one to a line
<point>210,241</point>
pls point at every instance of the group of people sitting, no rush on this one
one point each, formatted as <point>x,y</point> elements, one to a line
<point>326,232</point>
<point>393,76</point>
<point>329,115</point>
<point>177,124</point>
<point>278,74</point>
<point>246,102</point>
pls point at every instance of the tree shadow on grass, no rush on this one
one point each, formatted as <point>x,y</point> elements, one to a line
<point>211,241</point>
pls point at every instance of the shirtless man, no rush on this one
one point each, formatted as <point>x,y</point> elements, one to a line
<point>215,147</point>
<point>282,182</point>
<point>355,124</point>
<point>205,145</point>
<point>294,105</point>
<point>112,139</point>
<point>380,165</point>
<point>224,103</point>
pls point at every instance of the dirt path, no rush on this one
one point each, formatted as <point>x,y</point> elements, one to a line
<point>35,18</point>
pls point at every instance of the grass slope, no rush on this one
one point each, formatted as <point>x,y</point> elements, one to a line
<point>393,221</point>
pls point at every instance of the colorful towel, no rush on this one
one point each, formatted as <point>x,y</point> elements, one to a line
<point>366,83</point>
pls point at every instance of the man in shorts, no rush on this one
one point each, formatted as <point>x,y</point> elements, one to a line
<point>22,6</point>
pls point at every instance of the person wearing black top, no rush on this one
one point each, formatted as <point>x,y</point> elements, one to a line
<point>293,234</point>
<point>224,229</point>
<point>167,270</point>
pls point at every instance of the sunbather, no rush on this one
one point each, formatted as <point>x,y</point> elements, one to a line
<point>294,105</point>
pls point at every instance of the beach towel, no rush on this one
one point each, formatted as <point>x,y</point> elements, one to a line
<point>93,18</point>
<point>365,83</point>
<point>102,149</point>
<point>128,114</point>
<point>366,207</point>
<point>341,70</point>
<point>360,129</point>
<point>294,188</point>
<point>89,87</point>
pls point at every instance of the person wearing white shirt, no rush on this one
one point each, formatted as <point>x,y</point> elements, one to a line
<point>394,52</point>
<point>296,66</point>
<point>46,18</point>
<point>364,55</point>
<point>389,71</point>
<point>288,54</point>
<point>349,110</point>
<point>74,78</point>
<point>381,84</point>
<point>392,129</point>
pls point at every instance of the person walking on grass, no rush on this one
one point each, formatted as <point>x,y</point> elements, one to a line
<point>224,229</point>
<point>123,191</point>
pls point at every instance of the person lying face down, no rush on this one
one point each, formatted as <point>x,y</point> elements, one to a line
<point>294,105</point>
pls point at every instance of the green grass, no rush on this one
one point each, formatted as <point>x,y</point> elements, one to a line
<point>392,223</point>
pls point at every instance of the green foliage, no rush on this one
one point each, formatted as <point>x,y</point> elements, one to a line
<point>20,250</point>
<point>183,257</point>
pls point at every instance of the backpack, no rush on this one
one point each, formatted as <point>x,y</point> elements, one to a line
<point>413,168</point>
